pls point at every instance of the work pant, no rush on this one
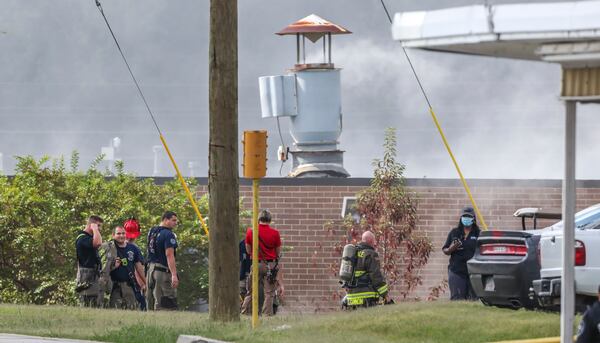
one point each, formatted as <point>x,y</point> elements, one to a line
<point>148,293</point>
<point>122,296</point>
<point>150,302</point>
<point>91,296</point>
<point>269,288</point>
<point>460,287</point>
<point>160,289</point>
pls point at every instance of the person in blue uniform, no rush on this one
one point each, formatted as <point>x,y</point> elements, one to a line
<point>128,260</point>
<point>162,269</point>
<point>460,246</point>
<point>132,232</point>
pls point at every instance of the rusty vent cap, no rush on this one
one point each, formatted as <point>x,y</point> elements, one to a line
<point>313,27</point>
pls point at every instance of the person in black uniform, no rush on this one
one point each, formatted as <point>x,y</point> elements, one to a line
<point>589,327</point>
<point>460,246</point>
<point>88,263</point>
<point>245,267</point>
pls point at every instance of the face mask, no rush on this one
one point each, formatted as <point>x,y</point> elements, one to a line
<point>466,221</point>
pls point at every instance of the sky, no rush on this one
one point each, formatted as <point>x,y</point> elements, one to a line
<point>63,87</point>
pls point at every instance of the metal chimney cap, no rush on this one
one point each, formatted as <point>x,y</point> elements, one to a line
<point>313,24</point>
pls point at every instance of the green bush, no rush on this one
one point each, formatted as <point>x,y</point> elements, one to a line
<point>45,204</point>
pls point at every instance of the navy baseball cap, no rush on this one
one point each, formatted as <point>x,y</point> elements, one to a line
<point>468,211</point>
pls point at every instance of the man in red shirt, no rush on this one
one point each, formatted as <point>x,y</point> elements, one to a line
<point>268,256</point>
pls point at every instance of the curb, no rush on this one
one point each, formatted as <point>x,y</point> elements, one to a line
<point>535,340</point>
<point>13,338</point>
<point>196,339</point>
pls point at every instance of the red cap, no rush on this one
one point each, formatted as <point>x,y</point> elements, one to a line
<point>132,228</point>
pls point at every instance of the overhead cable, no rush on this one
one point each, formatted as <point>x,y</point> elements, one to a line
<point>437,124</point>
<point>162,138</point>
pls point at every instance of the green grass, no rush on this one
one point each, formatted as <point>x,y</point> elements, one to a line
<point>406,322</point>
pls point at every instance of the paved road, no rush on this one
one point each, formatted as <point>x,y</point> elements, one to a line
<point>10,338</point>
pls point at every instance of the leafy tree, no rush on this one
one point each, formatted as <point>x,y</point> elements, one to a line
<point>388,210</point>
<point>44,205</point>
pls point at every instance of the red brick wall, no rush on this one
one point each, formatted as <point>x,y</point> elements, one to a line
<point>301,207</point>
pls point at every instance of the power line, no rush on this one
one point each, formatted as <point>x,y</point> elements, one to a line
<point>439,128</point>
<point>408,59</point>
<point>128,67</point>
<point>162,138</point>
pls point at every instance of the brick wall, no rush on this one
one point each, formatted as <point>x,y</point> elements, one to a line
<point>301,207</point>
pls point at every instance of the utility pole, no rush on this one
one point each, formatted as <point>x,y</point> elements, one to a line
<point>223,175</point>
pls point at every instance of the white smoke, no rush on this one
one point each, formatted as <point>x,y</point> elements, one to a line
<point>502,118</point>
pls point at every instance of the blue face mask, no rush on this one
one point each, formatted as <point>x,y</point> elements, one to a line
<point>466,221</point>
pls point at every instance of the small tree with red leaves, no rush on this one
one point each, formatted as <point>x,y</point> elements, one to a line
<point>388,210</point>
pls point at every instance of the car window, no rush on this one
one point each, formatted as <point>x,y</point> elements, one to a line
<point>586,217</point>
<point>592,223</point>
<point>593,226</point>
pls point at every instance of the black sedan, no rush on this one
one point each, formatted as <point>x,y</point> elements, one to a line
<point>506,262</point>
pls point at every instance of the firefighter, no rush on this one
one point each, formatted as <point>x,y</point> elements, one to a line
<point>369,283</point>
<point>88,263</point>
<point>128,261</point>
<point>162,269</point>
<point>132,232</point>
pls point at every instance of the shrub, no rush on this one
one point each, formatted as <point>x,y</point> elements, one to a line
<point>388,210</point>
<point>44,205</point>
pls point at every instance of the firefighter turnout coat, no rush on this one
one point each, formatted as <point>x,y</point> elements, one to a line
<point>370,282</point>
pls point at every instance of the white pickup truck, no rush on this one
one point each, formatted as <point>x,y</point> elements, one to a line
<point>587,260</point>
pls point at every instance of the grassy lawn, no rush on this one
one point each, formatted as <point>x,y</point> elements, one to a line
<point>407,322</point>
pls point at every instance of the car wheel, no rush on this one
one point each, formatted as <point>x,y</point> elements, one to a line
<point>483,301</point>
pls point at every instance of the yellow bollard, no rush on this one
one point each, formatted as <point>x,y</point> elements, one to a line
<point>255,168</point>
<point>255,246</point>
